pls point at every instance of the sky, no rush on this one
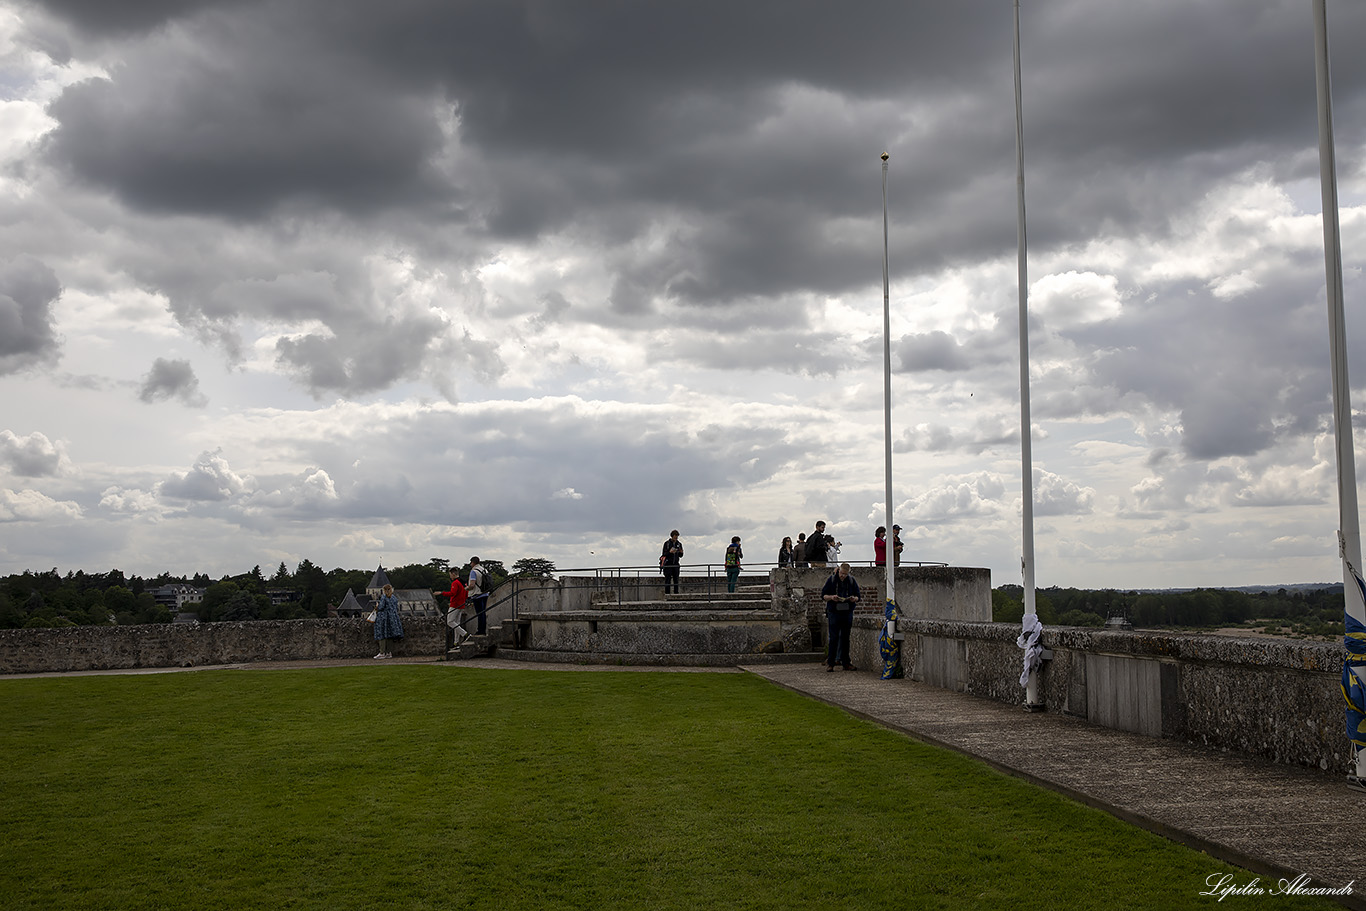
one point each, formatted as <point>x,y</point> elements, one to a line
<point>379,283</point>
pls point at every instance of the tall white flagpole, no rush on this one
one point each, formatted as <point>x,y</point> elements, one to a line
<point>1349,525</point>
<point>887,386</point>
<point>1030,627</point>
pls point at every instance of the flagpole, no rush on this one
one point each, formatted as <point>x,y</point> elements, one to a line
<point>1349,525</point>
<point>887,387</point>
<point>1030,627</point>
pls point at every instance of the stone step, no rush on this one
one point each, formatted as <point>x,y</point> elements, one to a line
<point>652,660</point>
<point>744,593</point>
<point>473,647</point>
<point>685,606</point>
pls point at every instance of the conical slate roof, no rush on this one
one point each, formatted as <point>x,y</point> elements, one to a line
<point>349,607</point>
<point>378,580</point>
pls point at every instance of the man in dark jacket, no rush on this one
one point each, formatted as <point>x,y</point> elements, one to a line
<point>840,594</point>
<point>670,559</point>
<point>816,544</point>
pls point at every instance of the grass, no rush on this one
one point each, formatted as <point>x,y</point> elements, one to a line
<point>424,787</point>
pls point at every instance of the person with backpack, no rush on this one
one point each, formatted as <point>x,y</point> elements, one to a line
<point>816,544</point>
<point>670,561</point>
<point>733,558</point>
<point>479,586</point>
<point>840,594</point>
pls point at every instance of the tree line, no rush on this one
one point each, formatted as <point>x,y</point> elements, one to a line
<point>1306,610</point>
<point>78,598</point>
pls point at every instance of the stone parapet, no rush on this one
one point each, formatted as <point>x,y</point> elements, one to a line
<point>85,648</point>
<point>643,632</point>
<point>1277,699</point>
<point>954,593</point>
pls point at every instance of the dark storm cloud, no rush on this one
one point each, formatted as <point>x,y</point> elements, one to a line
<point>171,379</point>
<point>28,289</point>
<point>930,351</point>
<point>244,129</point>
<point>743,136</point>
<point>102,17</point>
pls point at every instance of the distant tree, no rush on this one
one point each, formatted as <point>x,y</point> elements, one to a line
<point>418,575</point>
<point>12,616</point>
<point>1080,618</point>
<point>339,580</point>
<point>120,600</point>
<point>533,566</point>
<point>440,563</point>
<point>216,598</point>
<point>242,605</point>
<point>282,576</point>
<point>148,611</point>
<point>1006,608</point>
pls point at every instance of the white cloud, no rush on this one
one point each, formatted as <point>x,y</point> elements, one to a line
<point>32,456</point>
<point>209,479</point>
<point>1075,298</point>
<point>32,506</point>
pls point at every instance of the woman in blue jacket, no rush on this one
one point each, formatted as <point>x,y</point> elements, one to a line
<point>388,626</point>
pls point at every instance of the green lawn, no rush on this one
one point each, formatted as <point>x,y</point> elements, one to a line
<point>424,787</point>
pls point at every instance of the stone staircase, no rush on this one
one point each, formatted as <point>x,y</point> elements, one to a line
<point>692,628</point>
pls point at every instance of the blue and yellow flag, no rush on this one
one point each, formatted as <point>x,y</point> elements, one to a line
<point>1353,665</point>
<point>890,648</point>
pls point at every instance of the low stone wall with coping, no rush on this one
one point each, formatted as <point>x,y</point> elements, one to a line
<point>87,648</point>
<point>923,592</point>
<point>1278,699</point>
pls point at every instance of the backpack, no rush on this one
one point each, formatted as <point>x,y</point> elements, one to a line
<point>815,549</point>
<point>483,581</point>
<point>732,556</point>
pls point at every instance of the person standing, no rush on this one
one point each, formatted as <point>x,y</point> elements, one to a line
<point>671,560</point>
<point>455,613</point>
<point>880,546</point>
<point>479,586</point>
<point>816,544</point>
<point>799,551</point>
<point>840,594</point>
<point>896,545</point>
<point>733,557</point>
<point>785,557</point>
<point>388,625</point>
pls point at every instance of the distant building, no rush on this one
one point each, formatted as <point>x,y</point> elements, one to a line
<point>351,606</point>
<point>412,602</point>
<point>175,596</point>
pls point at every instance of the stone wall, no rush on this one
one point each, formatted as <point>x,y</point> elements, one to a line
<point>83,648</point>
<point>655,632</point>
<point>576,593</point>
<point>923,592</point>
<point>1277,699</point>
